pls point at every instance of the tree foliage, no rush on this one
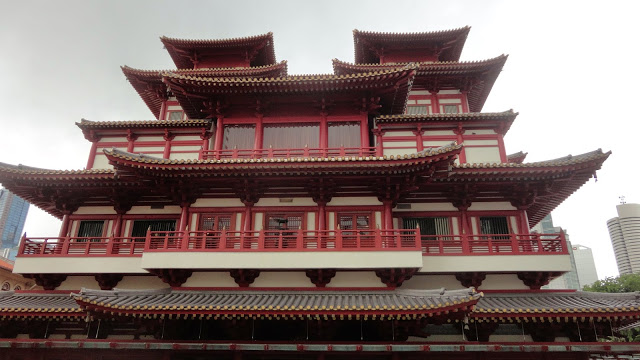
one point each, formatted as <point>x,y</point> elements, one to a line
<point>620,284</point>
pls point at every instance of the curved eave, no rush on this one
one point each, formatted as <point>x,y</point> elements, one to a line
<point>505,117</point>
<point>455,37</point>
<point>175,47</point>
<point>517,158</point>
<point>568,305</point>
<point>143,124</point>
<point>148,83</point>
<point>394,165</point>
<point>393,85</point>
<point>21,305</point>
<point>478,76</point>
<point>388,304</point>
<point>562,177</point>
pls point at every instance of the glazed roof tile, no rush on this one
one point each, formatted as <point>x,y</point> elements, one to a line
<point>391,85</point>
<point>88,124</point>
<point>282,302</point>
<point>38,304</point>
<point>148,83</point>
<point>477,78</point>
<point>557,303</point>
<point>455,37</point>
<point>299,165</point>
<point>596,155</point>
<point>175,47</point>
<point>8,170</point>
<point>507,116</point>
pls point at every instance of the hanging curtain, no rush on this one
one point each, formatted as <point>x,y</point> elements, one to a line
<point>239,136</point>
<point>291,136</point>
<point>345,134</point>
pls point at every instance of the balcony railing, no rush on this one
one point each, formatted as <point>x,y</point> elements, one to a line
<point>305,152</point>
<point>497,244</point>
<point>82,246</point>
<point>285,240</point>
<point>298,240</point>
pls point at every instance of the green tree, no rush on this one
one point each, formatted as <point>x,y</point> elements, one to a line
<point>620,284</point>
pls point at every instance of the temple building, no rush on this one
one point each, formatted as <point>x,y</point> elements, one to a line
<point>370,213</point>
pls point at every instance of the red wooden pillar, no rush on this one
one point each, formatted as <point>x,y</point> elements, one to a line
<point>364,131</point>
<point>435,104</point>
<point>117,227</point>
<point>167,136</point>
<point>324,132</point>
<point>219,133</point>
<point>257,143</point>
<point>387,216</point>
<point>131,137</point>
<point>419,141</point>
<point>246,221</point>
<point>378,133</point>
<point>92,154</point>
<point>459,131</point>
<point>465,102</point>
<point>64,229</point>
<point>163,110</point>
<point>322,215</point>
<point>184,217</point>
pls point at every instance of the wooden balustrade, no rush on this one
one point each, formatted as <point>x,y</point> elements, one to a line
<point>305,152</point>
<point>298,240</point>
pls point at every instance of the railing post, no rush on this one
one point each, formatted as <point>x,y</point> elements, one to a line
<point>418,238</point>
<point>234,153</point>
<point>338,238</point>
<point>306,151</point>
<point>223,239</point>
<point>466,249</point>
<point>341,150</point>
<point>23,240</point>
<point>299,238</point>
<point>514,243</point>
<point>147,240</point>
<point>563,242</point>
<point>65,245</point>
<point>185,239</point>
<point>377,238</point>
<point>109,250</point>
<point>270,152</point>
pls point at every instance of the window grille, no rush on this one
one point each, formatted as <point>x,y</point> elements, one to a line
<point>417,110</point>
<point>89,229</point>
<point>140,227</point>
<point>450,109</point>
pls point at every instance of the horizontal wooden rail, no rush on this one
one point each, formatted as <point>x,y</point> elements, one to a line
<point>494,244</point>
<point>82,246</point>
<point>284,240</point>
<point>305,152</point>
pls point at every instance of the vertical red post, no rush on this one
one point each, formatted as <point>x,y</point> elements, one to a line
<point>435,104</point>
<point>246,221</point>
<point>419,141</point>
<point>388,217</point>
<point>378,133</point>
<point>324,134</point>
<point>217,146</point>
<point>257,143</point>
<point>184,224</point>
<point>92,154</point>
<point>64,229</point>
<point>364,131</point>
<point>465,102</point>
<point>322,222</point>
<point>464,219</point>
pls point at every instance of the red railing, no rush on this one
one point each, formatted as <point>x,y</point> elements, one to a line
<point>498,244</point>
<point>284,240</point>
<point>305,152</point>
<point>81,246</point>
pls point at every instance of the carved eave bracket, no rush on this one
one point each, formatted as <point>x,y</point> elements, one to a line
<point>537,279</point>
<point>244,277</point>
<point>173,277</point>
<point>462,196</point>
<point>523,197</point>
<point>249,192</point>
<point>47,281</point>
<point>395,277</point>
<point>471,279</point>
<point>321,190</point>
<point>321,277</point>
<point>108,281</point>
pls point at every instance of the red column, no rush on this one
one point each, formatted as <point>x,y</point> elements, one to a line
<point>378,133</point>
<point>167,136</point>
<point>322,215</point>
<point>219,133</point>
<point>131,137</point>
<point>419,141</point>
<point>388,217</point>
<point>503,152</point>
<point>364,132</point>
<point>459,131</point>
<point>324,132</point>
<point>92,154</point>
<point>257,143</point>
<point>117,227</point>
<point>163,110</point>
<point>465,102</point>
<point>64,229</point>
<point>184,217</point>
<point>246,221</point>
<point>435,104</point>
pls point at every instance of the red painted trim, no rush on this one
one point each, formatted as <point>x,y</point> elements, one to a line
<point>80,217</point>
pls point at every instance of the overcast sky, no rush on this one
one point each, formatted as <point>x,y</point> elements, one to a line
<point>572,73</point>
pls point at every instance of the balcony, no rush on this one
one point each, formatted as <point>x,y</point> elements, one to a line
<point>294,249</point>
<point>305,152</point>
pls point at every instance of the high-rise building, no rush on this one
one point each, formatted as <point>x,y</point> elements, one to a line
<point>568,280</point>
<point>13,213</point>
<point>262,215</point>
<point>585,264</point>
<point>624,231</point>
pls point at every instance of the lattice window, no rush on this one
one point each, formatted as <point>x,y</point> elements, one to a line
<point>428,225</point>
<point>284,221</point>
<point>354,221</point>
<point>140,227</point>
<point>215,222</point>
<point>90,230</point>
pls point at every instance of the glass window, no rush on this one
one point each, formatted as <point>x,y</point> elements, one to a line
<point>90,229</point>
<point>239,136</point>
<point>175,115</point>
<point>215,222</point>
<point>417,110</point>
<point>494,225</point>
<point>345,134</point>
<point>428,225</point>
<point>291,136</point>
<point>140,227</point>
<point>451,109</point>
